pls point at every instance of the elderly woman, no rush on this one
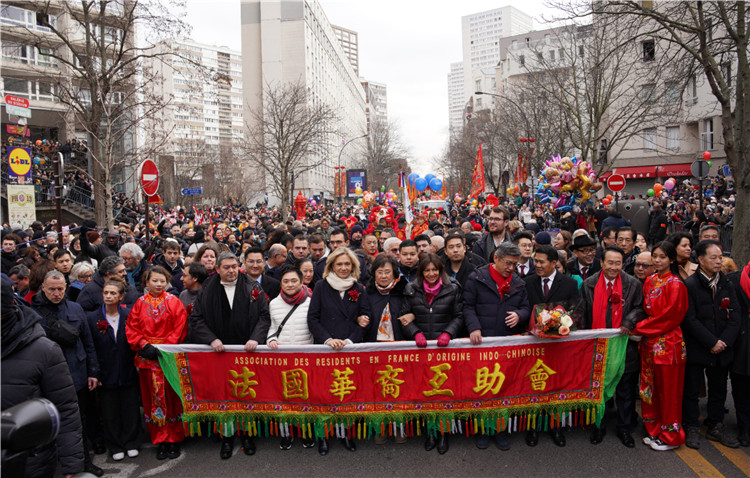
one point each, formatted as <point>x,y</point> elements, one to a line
<point>80,275</point>
<point>337,304</point>
<point>289,323</point>
<point>207,255</point>
<point>432,309</point>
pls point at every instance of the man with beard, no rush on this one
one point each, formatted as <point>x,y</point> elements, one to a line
<point>496,235</point>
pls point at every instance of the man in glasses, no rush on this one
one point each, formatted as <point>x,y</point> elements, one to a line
<point>584,265</point>
<point>643,266</point>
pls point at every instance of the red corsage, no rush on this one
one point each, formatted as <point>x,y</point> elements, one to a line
<point>615,298</point>
<point>189,309</point>
<point>505,289</point>
<point>353,295</point>
<point>256,294</point>
<point>102,326</point>
<point>724,303</point>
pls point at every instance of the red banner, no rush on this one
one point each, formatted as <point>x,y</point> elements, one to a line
<point>399,380</point>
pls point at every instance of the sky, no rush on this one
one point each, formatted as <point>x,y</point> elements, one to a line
<point>406,44</point>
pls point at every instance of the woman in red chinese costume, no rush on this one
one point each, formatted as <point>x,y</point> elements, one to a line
<point>158,317</point>
<point>662,351</point>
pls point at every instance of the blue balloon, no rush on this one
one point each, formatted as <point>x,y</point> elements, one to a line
<point>429,177</point>
<point>411,178</point>
<point>436,184</point>
<point>420,184</point>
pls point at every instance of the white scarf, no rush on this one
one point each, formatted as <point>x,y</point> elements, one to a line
<point>341,285</point>
<point>230,288</point>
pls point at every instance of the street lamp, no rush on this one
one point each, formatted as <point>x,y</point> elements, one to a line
<point>340,169</point>
<point>527,140</point>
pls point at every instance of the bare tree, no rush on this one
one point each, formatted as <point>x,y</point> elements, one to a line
<point>384,155</point>
<point>288,136</point>
<point>715,35</point>
<point>104,79</point>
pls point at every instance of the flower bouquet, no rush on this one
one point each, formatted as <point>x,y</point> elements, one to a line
<point>551,322</point>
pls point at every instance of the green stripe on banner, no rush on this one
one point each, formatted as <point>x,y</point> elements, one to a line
<point>615,368</point>
<point>169,367</point>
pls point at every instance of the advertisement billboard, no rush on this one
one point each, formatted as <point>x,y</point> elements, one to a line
<point>355,178</point>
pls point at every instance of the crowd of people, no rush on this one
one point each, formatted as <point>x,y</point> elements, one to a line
<point>342,275</point>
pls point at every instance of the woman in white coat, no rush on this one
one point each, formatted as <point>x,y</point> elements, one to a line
<point>289,322</point>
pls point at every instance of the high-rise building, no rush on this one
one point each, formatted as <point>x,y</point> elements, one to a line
<point>376,95</point>
<point>349,41</point>
<point>291,41</point>
<point>206,116</point>
<point>480,37</point>
<point>456,101</point>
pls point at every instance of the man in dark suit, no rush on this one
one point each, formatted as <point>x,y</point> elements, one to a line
<point>459,262</point>
<point>614,299</point>
<point>584,265</point>
<point>547,286</point>
<point>254,269</point>
<point>525,241</point>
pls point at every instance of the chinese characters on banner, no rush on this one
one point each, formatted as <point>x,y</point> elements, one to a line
<point>314,385</point>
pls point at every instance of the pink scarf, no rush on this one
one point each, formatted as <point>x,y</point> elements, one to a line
<point>432,292</point>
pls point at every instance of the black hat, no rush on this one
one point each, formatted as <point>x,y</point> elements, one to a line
<point>584,240</point>
<point>435,225</point>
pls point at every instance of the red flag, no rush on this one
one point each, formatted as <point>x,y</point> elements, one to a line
<point>477,180</point>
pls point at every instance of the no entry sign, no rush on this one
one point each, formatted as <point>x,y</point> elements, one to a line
<point>616,183</point>
<point>149,177</point>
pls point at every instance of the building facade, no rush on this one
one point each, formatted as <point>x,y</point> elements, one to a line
<point>291,41</point>
<point>376,95</point>
<point>349,41</point>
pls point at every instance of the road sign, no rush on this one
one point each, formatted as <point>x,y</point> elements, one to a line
<point>700,169</point>
<point>726,170</point>
<point>149,177</point>
<point>616,183</point>
<point>17,111</point>
<point>16,101</point>
<point>700,182</point>
<point>191,191</point>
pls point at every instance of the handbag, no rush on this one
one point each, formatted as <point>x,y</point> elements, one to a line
<point>281,326</point>
<point>63,333</point>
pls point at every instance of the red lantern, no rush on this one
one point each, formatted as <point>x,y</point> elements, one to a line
<point>523,140</point>
<point>706,155</point>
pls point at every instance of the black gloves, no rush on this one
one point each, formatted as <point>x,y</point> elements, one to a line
<point>149,352</point>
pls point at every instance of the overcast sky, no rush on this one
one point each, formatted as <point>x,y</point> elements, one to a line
<point>406,44</point>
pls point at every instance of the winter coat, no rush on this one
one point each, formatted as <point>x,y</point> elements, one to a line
<point>470,263</point>
<point>706,321</point>
<point>332,317</point>
<point>115,357</point>
<point>175,272</point>
<point>444,314</point>
<point>485,246</point>
<point>33,366</point>
<point>81,358</point>
<point>377,304</point>
<point>615,220</point>
<point>295,330</point>
<point>90,297</point>
<point>486,311</point>
<point>741,362</point>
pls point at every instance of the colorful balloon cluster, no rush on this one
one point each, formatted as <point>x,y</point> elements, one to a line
<point>566,181</point>
<point>669,184</point>
<point>429,181</point>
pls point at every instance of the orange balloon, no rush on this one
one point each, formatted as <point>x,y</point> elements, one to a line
<point>609,197</point>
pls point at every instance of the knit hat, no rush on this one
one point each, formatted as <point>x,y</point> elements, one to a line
<point>543,238</point>
<point>356,228</point>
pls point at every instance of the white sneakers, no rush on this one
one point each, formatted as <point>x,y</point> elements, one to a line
<point>132,453</point>
<point>648,439</point>
<point>118,456</point>
<point>659,445</point>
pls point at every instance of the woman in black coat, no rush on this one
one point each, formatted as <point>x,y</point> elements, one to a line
<point>337,304</point>
<point>120,392</point>
<point>385,289</point>
<point>432,309</point>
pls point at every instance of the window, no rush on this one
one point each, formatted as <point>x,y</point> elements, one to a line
<point>648,93</point>
<point>580,50</point>
<point>726,70</point>
<point>673,137</point>
<point>478,85</point>
<point>691,91</point>
<point>649,139</point>
<point>707,136</point>
<point>479,102</point>
<point>649,50</point>
<point>16,86</point>
<point>672,92</point>
<point>552,55</point>
<point>521,60</point>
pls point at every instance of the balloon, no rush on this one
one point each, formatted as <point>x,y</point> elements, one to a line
<point>609,197</point>
<point>42,161</point>
<point>606,201</point>
<point>650,193</point>
<point>38,142</point>
<point>706,155</point>
<point>382,188</point>
<point>36,160</point>
<point>509,191</point>
<point>474,202</point>
<point>358,190</point>
<point>710,164</point>
<point>436,184</point>
<point>359,200</point>
<point>669,184</point>
<point>657,188</point>
<point>429,177</point>
<point>420,184</point>
<point>412,177</point>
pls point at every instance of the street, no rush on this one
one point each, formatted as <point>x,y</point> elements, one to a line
<point>200,458</point>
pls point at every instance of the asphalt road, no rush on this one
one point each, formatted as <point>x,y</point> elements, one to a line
<point>200,458</point>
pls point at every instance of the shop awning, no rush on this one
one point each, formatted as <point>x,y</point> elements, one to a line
<point>604,176</point>
<point>667,170</point>
<point>637,172</point>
